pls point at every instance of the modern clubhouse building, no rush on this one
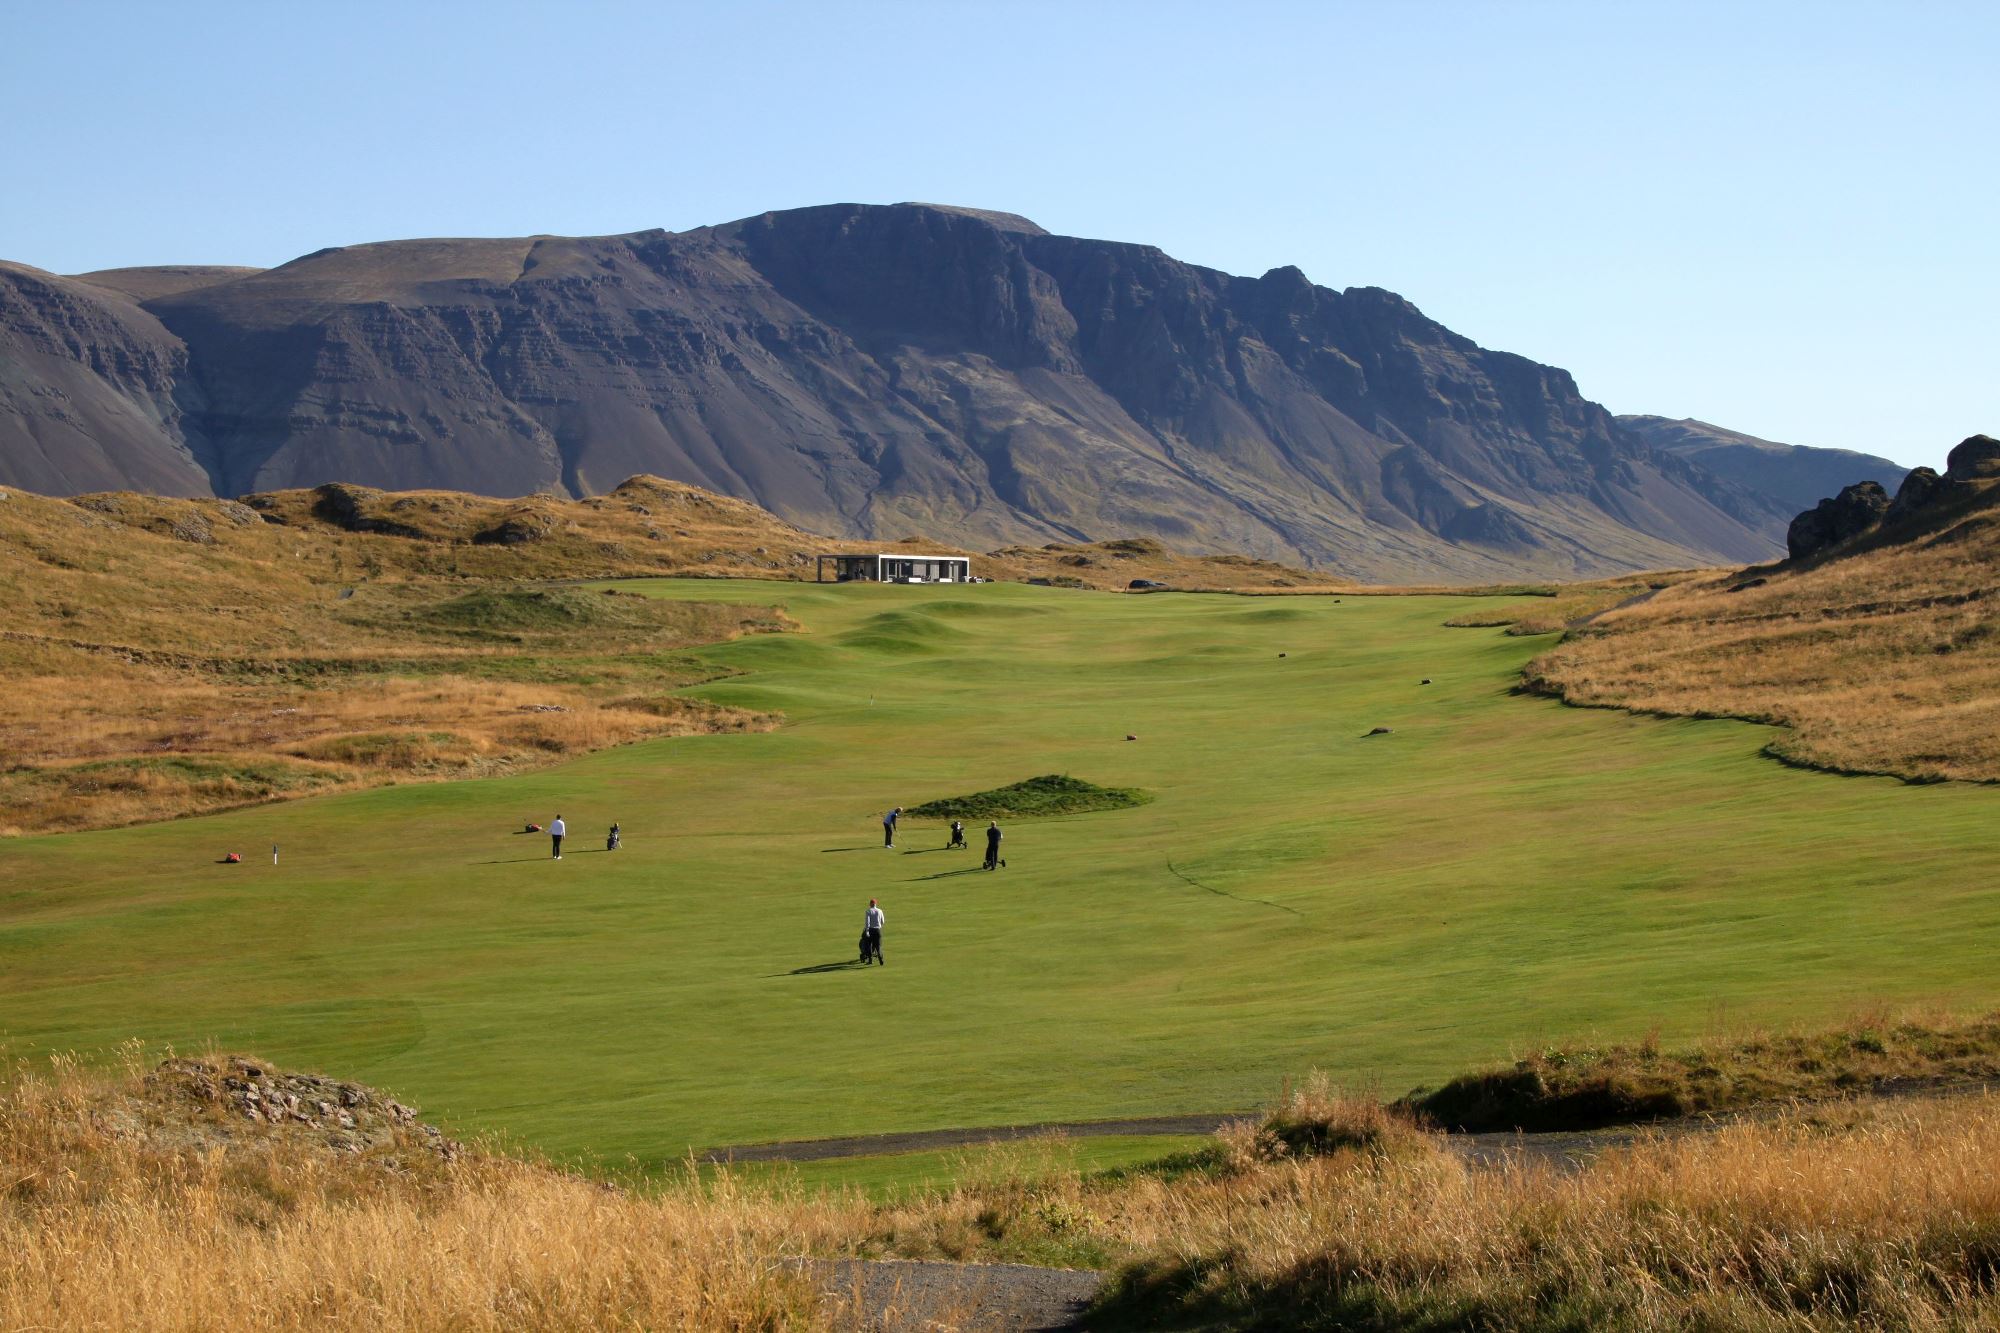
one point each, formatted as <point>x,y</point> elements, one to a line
<point>897,568</point>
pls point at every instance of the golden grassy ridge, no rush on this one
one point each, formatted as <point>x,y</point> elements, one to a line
<point>1884,659</point>
<point>169,657</point>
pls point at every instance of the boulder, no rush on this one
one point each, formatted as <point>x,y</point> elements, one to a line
<point>1920,486</point>
<point>345,507</point>
<point>1977,456</point>
<point>515,530</point>
<point>1842,518</point>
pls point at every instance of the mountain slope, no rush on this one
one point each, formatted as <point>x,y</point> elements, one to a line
<point>87,386</point>
<point>1797,476</point>
<point>870,371</point>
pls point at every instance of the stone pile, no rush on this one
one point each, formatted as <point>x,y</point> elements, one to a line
<point>347,1117</point>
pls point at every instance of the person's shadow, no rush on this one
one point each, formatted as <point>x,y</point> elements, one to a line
<point>816,969</point>
<point>947,874</point>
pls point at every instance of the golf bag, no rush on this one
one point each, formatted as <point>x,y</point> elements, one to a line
<point>869,949</point>
<point>611,839</point>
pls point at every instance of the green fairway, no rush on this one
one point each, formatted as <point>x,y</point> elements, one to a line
<point>903,1174</point>
<point>1495,872</point>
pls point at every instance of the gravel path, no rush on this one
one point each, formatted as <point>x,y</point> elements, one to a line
<point>919,1296</point>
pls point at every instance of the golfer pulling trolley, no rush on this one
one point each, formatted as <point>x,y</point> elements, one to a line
<point>871,935</point>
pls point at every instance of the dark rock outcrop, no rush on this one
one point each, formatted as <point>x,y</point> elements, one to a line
<point>1839,519</point>
<point>1975,458</point>
<point>1916,493</point>
<point>347,507</point>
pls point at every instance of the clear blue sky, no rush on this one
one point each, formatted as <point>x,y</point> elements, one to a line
<point>1777,217</point>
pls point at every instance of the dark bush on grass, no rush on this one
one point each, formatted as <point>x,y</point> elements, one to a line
<point>1574,1089</point>
<point>1522,1098</point>
<point>1051,794</point>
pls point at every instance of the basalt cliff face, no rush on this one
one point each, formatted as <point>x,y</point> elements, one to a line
<point>866,371</point>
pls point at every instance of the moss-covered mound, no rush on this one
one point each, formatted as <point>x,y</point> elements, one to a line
<point>1579,1089</point>
<point>1051,794</point>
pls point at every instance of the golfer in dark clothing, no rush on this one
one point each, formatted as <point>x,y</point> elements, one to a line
<point>889,826</point>
<point>993,844</point>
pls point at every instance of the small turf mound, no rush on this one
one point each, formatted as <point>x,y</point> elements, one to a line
<point>1051,794</point>
<point>1581,1089</point>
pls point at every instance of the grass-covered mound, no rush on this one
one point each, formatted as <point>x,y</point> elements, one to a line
<point>1566,1089</point>
<point>1050,794</point>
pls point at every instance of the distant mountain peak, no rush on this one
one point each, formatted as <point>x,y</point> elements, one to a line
<point>866,371</point>
<point>1003,221</point>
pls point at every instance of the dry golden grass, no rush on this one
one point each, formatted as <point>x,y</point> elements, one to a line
<point>1558,606</point>
<point>1883,660</point>
<point>129,1202</point>
<point>170,657</point>
<point>1875,1216</point>
<point>108,1221</point>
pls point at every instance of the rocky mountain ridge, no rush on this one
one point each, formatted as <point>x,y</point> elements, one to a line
<point>866,371</point>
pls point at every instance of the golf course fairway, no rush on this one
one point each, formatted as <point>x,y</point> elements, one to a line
<point>1495,872</point>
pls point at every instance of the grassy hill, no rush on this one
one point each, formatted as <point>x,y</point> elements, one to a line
<point>1881,655</point>
<point>166,657</point>
<point>1495,871</point>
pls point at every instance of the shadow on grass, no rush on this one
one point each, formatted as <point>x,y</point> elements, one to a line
<point>926,851</point>
<point>517,860</point>
<point>946,874</point>
<point>866,847</point>
<point>845,965</point>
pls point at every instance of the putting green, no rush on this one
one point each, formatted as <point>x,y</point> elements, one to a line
<point>1497,871</point>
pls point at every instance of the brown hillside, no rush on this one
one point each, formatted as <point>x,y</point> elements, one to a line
<point>1881,653</point>
<point>167,657</point>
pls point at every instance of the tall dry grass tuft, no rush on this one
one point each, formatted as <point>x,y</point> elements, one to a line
<point>1869,1217</point>
<point>110,1221</point>
<point>1318,1116</point>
